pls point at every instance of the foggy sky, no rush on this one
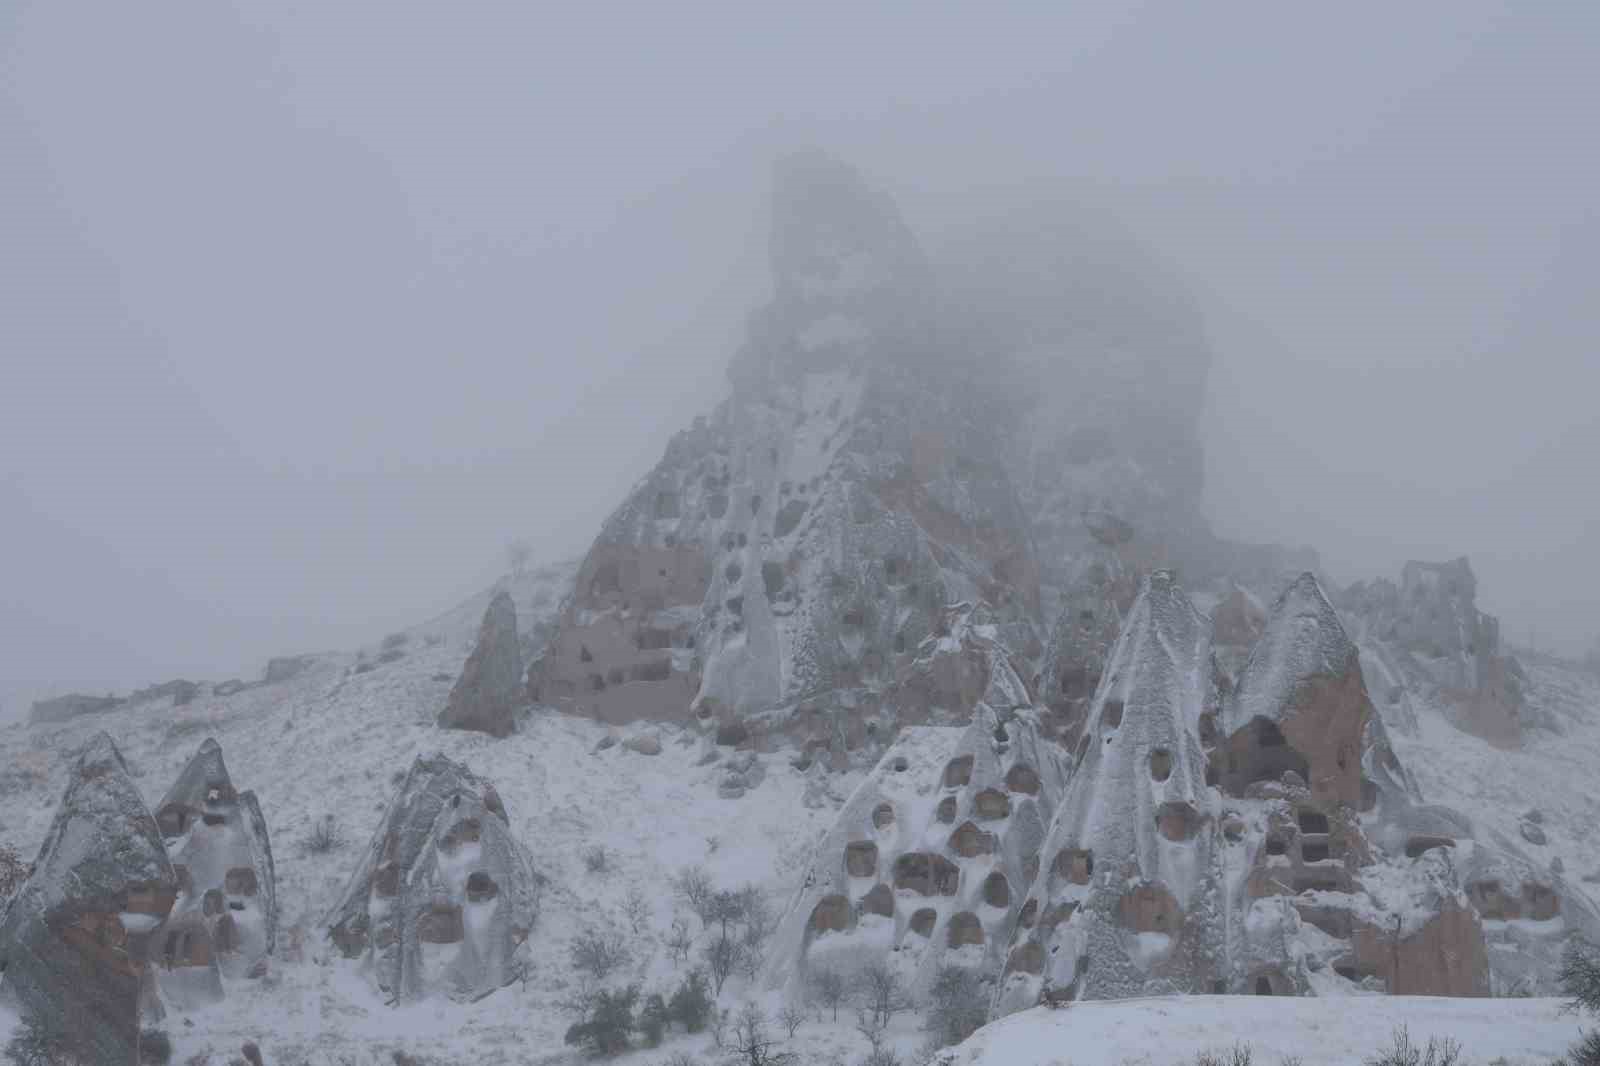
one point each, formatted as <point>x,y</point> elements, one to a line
<point>305,311</point>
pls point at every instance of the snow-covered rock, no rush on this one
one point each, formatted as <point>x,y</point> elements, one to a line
<point>74,942</point>
<point>446,897</point>
<point>226,914</point>
<point>486,695</point>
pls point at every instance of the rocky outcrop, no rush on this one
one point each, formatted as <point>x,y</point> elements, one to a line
<point>445,898</point>
<point>225,918</point>
<point>74,705</point>
<point>1426,638</point>
<point>486,695</point>
<point>75,940</point>
<point>926,865</point>
<point>287,668</point>
<point>792,551</point>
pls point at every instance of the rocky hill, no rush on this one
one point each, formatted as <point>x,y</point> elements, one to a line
<point>919,638</point>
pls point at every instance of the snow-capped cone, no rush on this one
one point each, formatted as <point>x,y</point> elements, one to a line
<point>927,861</point>
<point>226,914</point>
<point>74,942</point>
<point>1300,703</point>
<point>1126,899</point>
<point>443,870</point>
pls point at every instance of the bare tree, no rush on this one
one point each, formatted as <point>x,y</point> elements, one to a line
<point>726,908</point>
<point>793,1016</point>
<point>679,942</point>
<point>636,908</point>
<point>693,885</point>
<point>876,1032</point>
<point>598,954</point>
<point>878,990</point>
<point>518,552</point>
<point>750,1044</point>
<point>829,987</point>
<point>722,958</point>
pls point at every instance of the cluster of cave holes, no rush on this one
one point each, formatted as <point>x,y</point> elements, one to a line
<point>926,874</point>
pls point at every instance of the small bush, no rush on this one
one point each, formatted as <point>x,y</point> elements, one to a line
<point>1241,1054</point>
<point>1586,1052</point>
<point>597,860</point>
<point>606,1030</point>
<point>13,872</point>
<point>155,1048</point>
<point>1403,1051</point>
<point>40,1041</point>
<point>653,1019</point>
<point>1580,975</point>
<point>691,1002</point>
<point>598,954</point>
<point>325,837</point>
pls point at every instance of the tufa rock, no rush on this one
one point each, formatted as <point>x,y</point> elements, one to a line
<point>227,884</point>
<point>75,940</point>
<point>1532,833</point>
<point>446,896</point>
<point>75,705</point>
<point>489,690</point>
<point>648,744</point>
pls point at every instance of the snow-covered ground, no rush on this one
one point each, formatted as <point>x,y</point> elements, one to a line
<point>337,740</point>
<point>1319,1032</point>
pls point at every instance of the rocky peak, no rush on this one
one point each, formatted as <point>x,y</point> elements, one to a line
<point>486,695</point>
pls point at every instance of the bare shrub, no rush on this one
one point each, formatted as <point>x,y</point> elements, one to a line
<point>679,942</point>
<point>597,860</point>
<point>693,886</point>
<point>792,1016</point>
<point>1241,1054</point>
<point>878,991</point>
<point>722,956</point>
<point>1403,1051</point>
<point>636,908</point>
<point>1580,975</point>
<point>750,1043</point>
<point>598,954</point>
<point>326,837</point>
<point>956,1005</point>
<point>1586,1052</point>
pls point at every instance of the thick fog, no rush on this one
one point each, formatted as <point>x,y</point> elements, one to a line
<point>306,311</point>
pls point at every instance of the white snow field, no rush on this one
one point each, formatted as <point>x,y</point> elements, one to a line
<point>337,740</point>
<point>1318,1032</point>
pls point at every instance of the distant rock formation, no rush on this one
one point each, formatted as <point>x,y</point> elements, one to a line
<point>73,705</point>
<point>226,914</point>
<point>1427,638</point>
<point>446,897</point>
<point>74,942</point>
<point>486,695</point>
<point>287,668</point>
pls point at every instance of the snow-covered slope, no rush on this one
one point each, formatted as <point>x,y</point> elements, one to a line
<point>1314,1032</point>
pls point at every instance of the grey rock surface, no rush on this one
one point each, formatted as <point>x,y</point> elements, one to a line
<point>486,695</point>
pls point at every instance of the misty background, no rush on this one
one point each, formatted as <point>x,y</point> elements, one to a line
<point>306,311</point>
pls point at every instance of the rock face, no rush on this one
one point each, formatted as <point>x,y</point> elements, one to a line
<point>74,942</point>
<point>791,552</point>
<point>489,690</point>
<point>226,914</point>
<point>1428,637</point>
<point>926,864</point>
<point>446,897</point>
